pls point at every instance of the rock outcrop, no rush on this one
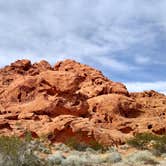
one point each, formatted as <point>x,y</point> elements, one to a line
<point>74,100</point>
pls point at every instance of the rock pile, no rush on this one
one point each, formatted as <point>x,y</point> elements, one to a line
<point>74,100</point>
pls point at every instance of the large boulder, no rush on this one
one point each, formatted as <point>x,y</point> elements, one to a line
<point>94,83</point>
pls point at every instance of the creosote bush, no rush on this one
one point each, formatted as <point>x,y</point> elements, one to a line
<point>75,144</point>
<point>113,157</point>
<point>82,146</point>
<point>141,156</point>
<point>18,152</point>
<point>149,141</point>
<point>97,146</point>
<point>141,140</point>
<point>55,159</point>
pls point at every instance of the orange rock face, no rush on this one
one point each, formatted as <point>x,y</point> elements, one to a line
<point>74,100</point>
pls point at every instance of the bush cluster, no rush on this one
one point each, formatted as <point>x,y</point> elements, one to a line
<point>15,151</point>
<point>149,141</point>
<point>82,146</point>
<point>25,152</point>
<point>18,152</point>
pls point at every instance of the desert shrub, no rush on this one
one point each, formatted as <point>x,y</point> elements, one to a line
<point>160,144</point>
<point>17,152</point>
<point>96,159</point>
<point>87,157</point>
<point>61,147</point>
<point>75,144</point>
<point>97,146</point>
<point>89,150</point>
<point>43,148</point>
<point>124,147</point>
<point>74,160</point>
<point>141,140</point>
<point>113,157</point>
<point>128,163</point>
<point>142,156</point>
<point>111,149</point>
<point>156,143</point>
<point>56,158</point>
<point>82,146</point>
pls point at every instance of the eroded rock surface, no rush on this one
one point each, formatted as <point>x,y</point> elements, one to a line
<point>74,100</point>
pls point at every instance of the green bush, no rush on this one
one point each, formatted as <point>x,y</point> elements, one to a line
<point>160,144</point>
<point>17,152</point>
<point>75,144</point>
<point>82,146</point>
<point>97,146</point>
<point>141,140</point>
<point>149,141</point>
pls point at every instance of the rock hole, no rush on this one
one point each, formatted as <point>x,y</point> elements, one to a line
<point>94,109</point>
<point>99,121</point>
<point>19,97</point>
<point>77,102</point>
<point>126,130</point>
<point>83,116</point>
<point>150,126</point>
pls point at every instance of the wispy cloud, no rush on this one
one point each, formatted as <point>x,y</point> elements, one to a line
<point>142,59</point>
<point>114,64</point>
<point>124,36</point>
<point>141,86</point>
<point>77,26</point>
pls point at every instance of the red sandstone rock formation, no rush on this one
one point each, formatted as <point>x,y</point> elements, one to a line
<point>72,99</point>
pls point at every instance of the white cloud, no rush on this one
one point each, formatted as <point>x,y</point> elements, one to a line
<point>149,60</point>
<point>112,63</point>
<point>86,30</point>
<point>142,59</point>
<point>159,86</point>
<point>76,28</point>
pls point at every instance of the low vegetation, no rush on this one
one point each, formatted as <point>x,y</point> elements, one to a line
<point>142,156</point>
<point>15,151</point>
<point>82,146</point>
<point>18,152</point>
<point>149,141</point>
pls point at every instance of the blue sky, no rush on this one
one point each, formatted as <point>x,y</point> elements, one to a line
<point>124,39</point>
